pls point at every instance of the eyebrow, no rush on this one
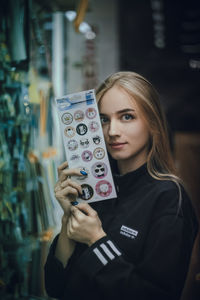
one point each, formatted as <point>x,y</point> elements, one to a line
<point>125,110</point>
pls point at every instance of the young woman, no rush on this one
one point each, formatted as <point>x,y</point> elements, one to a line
<point>138,245</point>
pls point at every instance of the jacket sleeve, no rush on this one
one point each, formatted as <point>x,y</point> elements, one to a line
<point>54,273</point>
<point>159,275</point>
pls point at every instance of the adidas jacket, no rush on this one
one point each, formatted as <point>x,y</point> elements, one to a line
<point>145,254</point>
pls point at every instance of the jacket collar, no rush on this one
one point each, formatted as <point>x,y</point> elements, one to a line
<point>125,182</point>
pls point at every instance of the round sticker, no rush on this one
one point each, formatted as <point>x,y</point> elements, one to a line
<point>70,131</point>
<point>93,126</point>
<point>87,155</point>
<point>84,143</point>
<point>72,145</point>
<point>99,170</point>
<point>87,192</point>
<point>81,129</point>
<point>82,177</point>
<point>67,118</point>
<point>75,157</point>
<point>79,115</point>
<point>103,188</point>
<point>91,113</point>
<point>96,139</point>
<point>99,153</point>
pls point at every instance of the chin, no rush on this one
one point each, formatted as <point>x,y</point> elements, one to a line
<point>119,156</point>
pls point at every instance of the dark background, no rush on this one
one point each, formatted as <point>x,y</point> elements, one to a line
<point>173,68</point>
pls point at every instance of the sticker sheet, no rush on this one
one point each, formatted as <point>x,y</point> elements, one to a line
<point>85,146</point>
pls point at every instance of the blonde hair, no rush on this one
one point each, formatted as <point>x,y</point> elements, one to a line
<point>160,163</point>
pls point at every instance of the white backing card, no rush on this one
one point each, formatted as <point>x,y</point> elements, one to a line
<point>85,146</point>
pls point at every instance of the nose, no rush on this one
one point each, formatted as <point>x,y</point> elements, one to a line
<point>113,128</point>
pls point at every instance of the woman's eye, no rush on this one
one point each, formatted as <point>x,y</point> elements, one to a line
<point>127,117</point>
<point>103,119</point>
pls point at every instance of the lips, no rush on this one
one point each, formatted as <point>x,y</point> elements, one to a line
<point>117,145</point>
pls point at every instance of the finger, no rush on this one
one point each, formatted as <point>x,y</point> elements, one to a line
<point>77,214</point>
<point>70,172</point>
<point>74,223</point>
<point>71,183</point>
<point>62,167</point>
<point>86,209</point>
<point>57,187</point>
<point>57,183</point>
<point>71,225</point>
<point>62,194</point>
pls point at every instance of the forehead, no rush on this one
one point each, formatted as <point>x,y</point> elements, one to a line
<point>116,99</point>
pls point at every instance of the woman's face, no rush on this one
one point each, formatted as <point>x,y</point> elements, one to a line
<point>125,129</point>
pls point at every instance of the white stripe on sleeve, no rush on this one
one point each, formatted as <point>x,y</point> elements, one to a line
<point>100,256</point>
<point>107,251</point>
<point>112,246</point>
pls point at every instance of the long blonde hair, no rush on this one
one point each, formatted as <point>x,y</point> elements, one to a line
<point>160,163</point>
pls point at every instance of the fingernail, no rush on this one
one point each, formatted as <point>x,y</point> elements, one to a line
<point>75,203</point>
<point>83,172</point>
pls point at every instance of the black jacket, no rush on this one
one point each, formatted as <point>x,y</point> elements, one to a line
<point>145,254</point>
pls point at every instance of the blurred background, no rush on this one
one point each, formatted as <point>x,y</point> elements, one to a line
<point>52,48</point>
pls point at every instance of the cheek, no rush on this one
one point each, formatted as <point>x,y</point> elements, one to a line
<point>139,131</point>
<point>145,135</point>
<point>105,131</point>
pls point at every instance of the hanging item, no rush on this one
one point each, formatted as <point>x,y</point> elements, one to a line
<point>16,31</point>
<point>81,11</point>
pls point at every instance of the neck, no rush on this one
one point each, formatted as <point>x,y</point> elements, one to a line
<point>126,166</point>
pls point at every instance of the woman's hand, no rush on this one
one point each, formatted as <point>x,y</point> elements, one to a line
<point>67,190</point>
<point>84,225</point>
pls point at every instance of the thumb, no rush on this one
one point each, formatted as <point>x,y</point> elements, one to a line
<point>86,209</point>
